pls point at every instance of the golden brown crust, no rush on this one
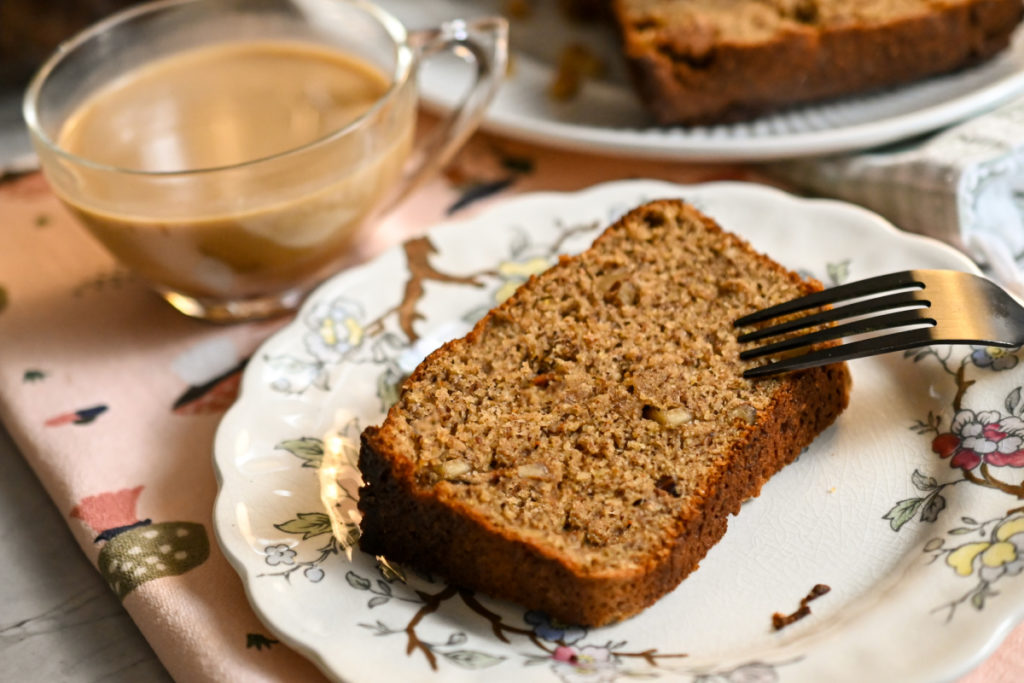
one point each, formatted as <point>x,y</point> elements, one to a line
<point>431,528</point>
<point>694,78</point>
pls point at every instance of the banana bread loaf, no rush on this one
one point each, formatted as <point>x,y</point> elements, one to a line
<point>579,451</point>
<point>709,61</point>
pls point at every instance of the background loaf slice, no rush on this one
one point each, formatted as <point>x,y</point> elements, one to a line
<point>710,61</point>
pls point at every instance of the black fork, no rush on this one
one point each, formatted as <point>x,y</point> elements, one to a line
<point>900,311</point>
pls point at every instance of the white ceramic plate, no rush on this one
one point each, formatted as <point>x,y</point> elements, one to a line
<point>607,117</point>
<point>924,564</point>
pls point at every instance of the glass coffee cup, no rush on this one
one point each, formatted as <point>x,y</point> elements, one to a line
<point>195,141</point>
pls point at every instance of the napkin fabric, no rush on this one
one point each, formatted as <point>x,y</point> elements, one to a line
<point>963,185</point>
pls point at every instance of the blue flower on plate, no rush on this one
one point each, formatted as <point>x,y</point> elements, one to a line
<point>554,631</point>
<point>994,357</point>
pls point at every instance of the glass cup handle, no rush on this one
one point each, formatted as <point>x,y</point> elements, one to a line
<point>483,41</point>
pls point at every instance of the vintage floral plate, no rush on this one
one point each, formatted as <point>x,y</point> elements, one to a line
<point>606,115</point>
<point>909,508</point>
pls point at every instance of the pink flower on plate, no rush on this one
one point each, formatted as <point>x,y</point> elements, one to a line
<point>587,663</point>
<point>980,437</point>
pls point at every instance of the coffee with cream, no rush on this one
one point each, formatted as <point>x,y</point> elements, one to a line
<point>271,154</point>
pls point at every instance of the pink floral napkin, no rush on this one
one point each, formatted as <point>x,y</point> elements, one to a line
<point>114,398</point>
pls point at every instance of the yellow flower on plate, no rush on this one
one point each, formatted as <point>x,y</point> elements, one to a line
<point>962,559</point>
<point>1010,528</point>
<point>516,273</point>
<point>352,332</point>
<point>994,554</point>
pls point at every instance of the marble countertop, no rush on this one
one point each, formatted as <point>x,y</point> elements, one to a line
<point>60,621</point>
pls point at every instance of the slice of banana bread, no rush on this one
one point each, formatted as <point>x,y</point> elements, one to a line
<point>579,451</point>
<point>709,61</point>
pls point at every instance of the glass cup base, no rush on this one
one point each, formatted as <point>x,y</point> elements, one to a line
<point>235,311</point>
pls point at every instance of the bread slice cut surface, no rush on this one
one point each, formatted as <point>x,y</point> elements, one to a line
<point>580,450</point>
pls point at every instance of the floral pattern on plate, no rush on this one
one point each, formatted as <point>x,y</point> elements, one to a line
<point>857,511</point>
<point>986,445</point>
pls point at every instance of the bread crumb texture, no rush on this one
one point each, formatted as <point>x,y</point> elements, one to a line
<point>596,425</point>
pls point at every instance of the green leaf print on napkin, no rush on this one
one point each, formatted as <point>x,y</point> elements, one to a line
<point>135,551</point>
<point>259,641</point>
<point>151,552</point>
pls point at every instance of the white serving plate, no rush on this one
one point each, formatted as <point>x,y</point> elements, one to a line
<point>920,591</point>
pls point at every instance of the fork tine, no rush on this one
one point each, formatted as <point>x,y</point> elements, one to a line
<point>873,305</point>
<point>871,324</point>
<point>872,285</point>
<point>867,347</point>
